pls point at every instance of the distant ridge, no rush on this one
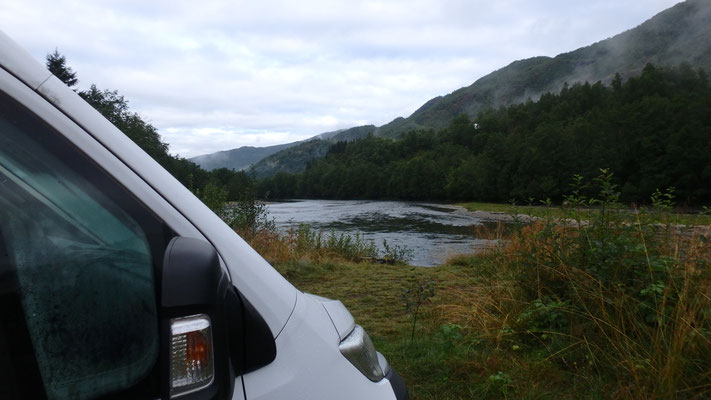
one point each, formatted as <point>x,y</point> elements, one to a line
<point>238,159</point>
<point>295,158</point>
<point>244,157</point>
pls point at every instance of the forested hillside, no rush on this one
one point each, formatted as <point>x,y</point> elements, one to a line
<point>295,158</point>
<point>652,131</point>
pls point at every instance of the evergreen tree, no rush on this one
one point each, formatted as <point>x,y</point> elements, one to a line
<point>57,65</point>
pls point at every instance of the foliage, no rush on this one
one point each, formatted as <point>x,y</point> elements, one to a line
<point>305,243</point>
<point>575,326</point>
<point>114,107</point>
<point>215,197</point>
<point>57,65</point>
<point>250,217</point>
<point>395,254</point>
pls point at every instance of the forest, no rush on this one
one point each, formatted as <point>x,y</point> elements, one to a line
<point>652,131</point>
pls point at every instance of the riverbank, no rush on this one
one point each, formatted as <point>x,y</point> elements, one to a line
<point>435,364</point>
<point>614,305</point>
<point>527,213</point>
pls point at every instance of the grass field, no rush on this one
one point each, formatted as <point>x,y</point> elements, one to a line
<point>447,359</point>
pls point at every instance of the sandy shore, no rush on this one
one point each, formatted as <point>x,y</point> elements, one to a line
<point>488,215</point>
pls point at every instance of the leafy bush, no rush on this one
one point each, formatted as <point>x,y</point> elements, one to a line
<point>250,217</point>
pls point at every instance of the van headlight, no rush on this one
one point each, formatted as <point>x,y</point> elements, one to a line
<point>359,350</point>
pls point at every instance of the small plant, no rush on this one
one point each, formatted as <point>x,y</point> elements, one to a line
<point>414,297</point>
<point>352,247</point>
<point>542,315</point>
<point>663,201</point>
<point>396,254</point>
<point>450,334</point>
<point>500,382</point>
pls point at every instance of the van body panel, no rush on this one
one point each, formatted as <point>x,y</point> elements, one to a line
<point>310,342</point>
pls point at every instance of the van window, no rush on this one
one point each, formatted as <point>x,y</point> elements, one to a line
<point>78,261</point>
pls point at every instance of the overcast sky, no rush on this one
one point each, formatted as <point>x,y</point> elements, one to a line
<point>217,75</point>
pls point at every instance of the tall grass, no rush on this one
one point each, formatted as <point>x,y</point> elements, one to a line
<point>617,300</point>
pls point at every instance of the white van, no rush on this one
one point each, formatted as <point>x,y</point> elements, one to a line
<point>116,282</point>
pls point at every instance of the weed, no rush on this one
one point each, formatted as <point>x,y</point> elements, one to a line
<point>414,297</point>
<point>396,254</point>
<point>499,382</point>
<point>450,335</point>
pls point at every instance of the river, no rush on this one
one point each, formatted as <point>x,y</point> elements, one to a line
<point>432,232</point>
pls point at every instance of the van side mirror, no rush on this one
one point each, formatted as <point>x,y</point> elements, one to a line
<point>193,323</point>
<point>209,333</point>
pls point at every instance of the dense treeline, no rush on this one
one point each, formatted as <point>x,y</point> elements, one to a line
<point>211,186</point>
<point>653,131</point>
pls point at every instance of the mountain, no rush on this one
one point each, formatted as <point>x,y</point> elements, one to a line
<point>244,157</point>
<point>238,159</point>
<point>680,34</point>
<point>295,158</point>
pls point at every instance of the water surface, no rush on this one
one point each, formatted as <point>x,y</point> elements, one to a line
<point>433,232</point>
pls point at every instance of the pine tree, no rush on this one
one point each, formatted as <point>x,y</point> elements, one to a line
<point>56,64</point>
